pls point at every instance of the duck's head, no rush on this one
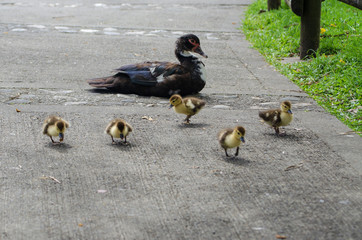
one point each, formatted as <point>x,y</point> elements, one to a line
<point>120,126</point>
<point>60,128</point>
<point>189,43</point>
<point>286,106</point>
<point>175,100</point>
<point>239,133</point>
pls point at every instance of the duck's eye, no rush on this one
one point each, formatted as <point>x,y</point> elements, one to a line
<point>192,41</point>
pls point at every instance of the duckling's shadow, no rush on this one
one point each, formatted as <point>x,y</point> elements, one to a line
<point>285,136</point>
<point>236,160</point>
<point>60,147</point>
<point>193,125</point>
<point>120,145</point>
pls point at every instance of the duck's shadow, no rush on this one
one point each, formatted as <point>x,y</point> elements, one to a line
<point>60,147</point>
<point>193,125</point>
<point>102,91</point>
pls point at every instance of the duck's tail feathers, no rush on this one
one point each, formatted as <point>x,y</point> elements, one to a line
<point>101,82</point>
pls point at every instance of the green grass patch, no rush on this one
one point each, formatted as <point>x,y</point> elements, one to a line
<point>334,77</point>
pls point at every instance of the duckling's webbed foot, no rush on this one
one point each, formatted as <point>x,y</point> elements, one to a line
<point>278,133</point>
<point>125,141</point>
<point>187,119</point>
<point>237,151</point>
<point>54,142</point>
<point>113,142</point>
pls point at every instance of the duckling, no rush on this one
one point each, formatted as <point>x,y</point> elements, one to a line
<point>278,117</point>
<point>55,126</point>
<point>118,128</point>
<point>230,138</point>
<point>188,106</point>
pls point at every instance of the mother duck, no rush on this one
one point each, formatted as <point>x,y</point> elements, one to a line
<point>161,79</point>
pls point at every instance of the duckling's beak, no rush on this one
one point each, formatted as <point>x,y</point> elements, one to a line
<point>122,136</point>
<point>290,111</point>
<point>61,137</point>
<point>199,51</point>
<point>170,106</point>
<point>242,139</point>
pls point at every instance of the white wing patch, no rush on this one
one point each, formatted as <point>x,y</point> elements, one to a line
<point>160,78</point>
<point>152,70</point>
<point>275,118</point>
<point>189,104</point>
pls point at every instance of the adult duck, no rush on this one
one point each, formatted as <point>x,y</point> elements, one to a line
<point>162,79</point>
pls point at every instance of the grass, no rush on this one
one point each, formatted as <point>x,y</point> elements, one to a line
<point>334,77</point>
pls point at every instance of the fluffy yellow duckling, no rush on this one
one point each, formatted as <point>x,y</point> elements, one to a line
<point>230,138</point>
<point>278,117</point>
<point>55,126</point>
<point>118,128</point>
<point>188,106</point>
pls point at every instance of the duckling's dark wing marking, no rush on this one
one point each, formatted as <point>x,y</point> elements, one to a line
<point>49,121</point>
<point>130,129</point>
<point>194,103</point>
<point>272,116</point>
<point>222,136</point>
<point>110,125</point>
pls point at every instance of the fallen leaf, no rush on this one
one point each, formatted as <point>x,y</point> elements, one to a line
<point>294,167</point>
<point>80,224</point>
<point>147,118</point>
<point>50,177</point>
<point>17,110</point>
<point>280,236</point>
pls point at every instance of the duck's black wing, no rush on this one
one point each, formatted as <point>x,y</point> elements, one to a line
<point>149,73</point>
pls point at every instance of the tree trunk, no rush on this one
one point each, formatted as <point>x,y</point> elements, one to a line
<point>310,28</point>
<point>273,4</point>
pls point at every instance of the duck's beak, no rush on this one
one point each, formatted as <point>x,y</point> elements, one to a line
<point>199,51</point>
<point>61,137</point>
<point>242,139</point>
<point>170,106</point>
<point>290,111</point>
<point>122,136</point>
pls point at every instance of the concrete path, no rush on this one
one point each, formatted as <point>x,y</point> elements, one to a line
<point>173,181</point>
